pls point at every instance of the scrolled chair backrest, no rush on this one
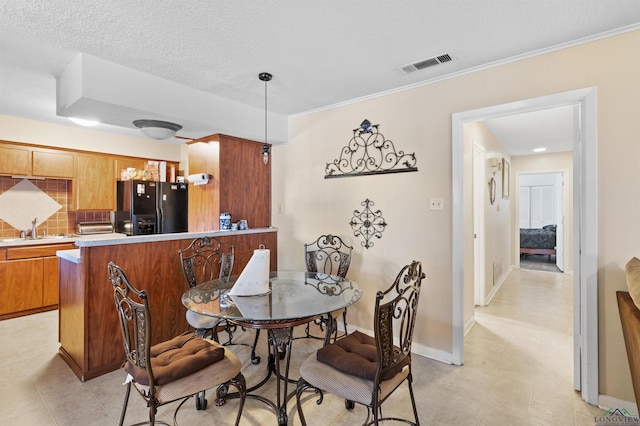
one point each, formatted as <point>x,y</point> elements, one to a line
<point>395,314</point>
<point>135,319</point>
<point>328,255</point>
<point>205,259</point>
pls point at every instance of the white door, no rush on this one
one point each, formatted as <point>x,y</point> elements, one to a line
<point>478,225</point>
<point>525,207</point>
<point>559,215</point>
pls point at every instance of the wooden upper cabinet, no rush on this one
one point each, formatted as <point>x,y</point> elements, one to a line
<point>93,174</point>
<point>94,186</point>
<point>15,161</point>
<point>53,164</point>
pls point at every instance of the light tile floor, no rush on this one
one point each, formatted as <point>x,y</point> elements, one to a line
<point>517,371</point>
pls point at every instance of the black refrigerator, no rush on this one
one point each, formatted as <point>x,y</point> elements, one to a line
<point>145,207</point>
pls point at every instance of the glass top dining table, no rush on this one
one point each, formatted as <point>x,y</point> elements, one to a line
<point>292,296</point>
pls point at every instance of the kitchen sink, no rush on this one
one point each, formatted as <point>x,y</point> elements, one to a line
<point>8,240</point>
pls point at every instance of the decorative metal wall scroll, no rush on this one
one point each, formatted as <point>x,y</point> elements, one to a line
<point>369,153</point>
<point>367,223</point>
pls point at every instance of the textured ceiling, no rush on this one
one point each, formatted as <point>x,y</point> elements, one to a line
<point>321,53</point>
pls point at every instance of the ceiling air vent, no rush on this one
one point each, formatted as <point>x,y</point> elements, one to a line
<point>426,63</point>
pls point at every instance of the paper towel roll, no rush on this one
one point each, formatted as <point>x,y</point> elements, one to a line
<point>254,278</point>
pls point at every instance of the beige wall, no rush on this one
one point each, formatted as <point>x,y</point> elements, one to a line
<point>419,119</point>
<point>497,217</point>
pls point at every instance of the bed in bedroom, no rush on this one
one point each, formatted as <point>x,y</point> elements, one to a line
<point>538,240</point>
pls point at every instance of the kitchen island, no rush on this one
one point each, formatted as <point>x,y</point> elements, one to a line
<point>89,334</point>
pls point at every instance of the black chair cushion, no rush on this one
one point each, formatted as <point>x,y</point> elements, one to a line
<point>356,355</point>
<point>176,358</point>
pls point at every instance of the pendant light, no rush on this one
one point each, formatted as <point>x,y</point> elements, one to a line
<point>265,76</point>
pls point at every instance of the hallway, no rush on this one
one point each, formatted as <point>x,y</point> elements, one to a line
<point>523,345</point>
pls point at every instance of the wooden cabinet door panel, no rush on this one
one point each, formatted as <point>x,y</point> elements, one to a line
<point>20,285</point>
<point>15,161</point>
<point>94,184</point>
<point>50,281</point>
<point>52,164</point>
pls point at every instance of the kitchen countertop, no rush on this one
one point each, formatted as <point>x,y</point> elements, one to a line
<point>73,255</point>
<point>22,242</point>
<point>117,238</point>
<point>86,242</point>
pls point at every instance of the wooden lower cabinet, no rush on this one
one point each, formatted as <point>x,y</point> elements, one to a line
<point>21,288</point>
<point>29,279</point>
<point>50,281</point>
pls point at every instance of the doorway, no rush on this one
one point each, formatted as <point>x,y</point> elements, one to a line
<point>540,213</point>
<point>584,236</point>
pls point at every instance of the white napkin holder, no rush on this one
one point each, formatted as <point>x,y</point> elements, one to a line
<point>254,278</point>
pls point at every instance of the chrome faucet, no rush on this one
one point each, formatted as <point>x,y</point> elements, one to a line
<point>34,233</point>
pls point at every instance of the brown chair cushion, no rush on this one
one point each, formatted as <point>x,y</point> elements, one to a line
<point>356,355</point>
<point>176,358</point>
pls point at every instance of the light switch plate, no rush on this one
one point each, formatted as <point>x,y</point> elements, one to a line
<point>436,204</point>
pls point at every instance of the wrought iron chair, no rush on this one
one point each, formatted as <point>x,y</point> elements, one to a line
<point>179,368</point>
<point>205,259</point>
<point>330,255</point>
<point>364,369</point>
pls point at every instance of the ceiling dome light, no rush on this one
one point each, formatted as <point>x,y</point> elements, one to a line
<point>539,149</point>
<point>157,129</point>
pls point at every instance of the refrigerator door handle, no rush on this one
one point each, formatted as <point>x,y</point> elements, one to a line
<point>159,221</point>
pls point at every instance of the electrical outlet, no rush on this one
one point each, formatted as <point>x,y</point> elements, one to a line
<point>437,204</point>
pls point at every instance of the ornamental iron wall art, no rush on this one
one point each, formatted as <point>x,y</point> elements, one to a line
<point>367,223</point>
<point>369,153</point>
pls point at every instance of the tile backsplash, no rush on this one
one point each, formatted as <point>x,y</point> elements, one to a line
<point>63,221</point>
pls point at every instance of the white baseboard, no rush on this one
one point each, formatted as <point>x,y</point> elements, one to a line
<point>607,402</point>
<point>431,353</point>
<point>468,325</point>
<point>496,287</point>
<point>416,348</point>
